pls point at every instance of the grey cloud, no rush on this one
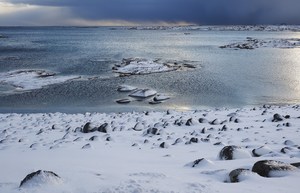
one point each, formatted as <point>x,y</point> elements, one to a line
<point>196,11</point>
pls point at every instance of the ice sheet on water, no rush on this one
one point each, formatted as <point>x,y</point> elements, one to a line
<point>140,66</point>
<point>23,80</point>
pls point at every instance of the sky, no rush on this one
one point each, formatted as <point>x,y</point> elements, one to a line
<point>147,12</point>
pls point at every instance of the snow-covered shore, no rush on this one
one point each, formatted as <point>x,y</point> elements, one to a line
<point>167,151</point>
<point>268,28</point>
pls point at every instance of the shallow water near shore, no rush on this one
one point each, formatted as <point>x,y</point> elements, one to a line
<point>222,77</point>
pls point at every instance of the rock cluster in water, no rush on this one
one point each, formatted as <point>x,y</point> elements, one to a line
<point>252,43</point>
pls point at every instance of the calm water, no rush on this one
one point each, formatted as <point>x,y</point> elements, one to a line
<point>223,78</point>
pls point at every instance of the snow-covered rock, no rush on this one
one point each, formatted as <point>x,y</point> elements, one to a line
<point>24,80</point>
<point>263,150</point>
<point>252,43</point>
<point>140,66</point>
<point>40,178</point>
<point>272,168</point>
<point>233,152</point>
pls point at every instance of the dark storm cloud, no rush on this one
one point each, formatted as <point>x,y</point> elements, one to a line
<point>196,11</point>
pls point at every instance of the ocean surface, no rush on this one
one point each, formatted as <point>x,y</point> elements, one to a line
<point>222,77</point>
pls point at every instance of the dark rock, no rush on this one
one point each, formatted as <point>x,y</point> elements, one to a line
<point>93,138</point>
<point>265,167</point>
<point>261,151</point>
<point>152,131</point>
<point>285,150</point>
<point>4,141</point>
<point>86,146</point>
<point>288,142</point>
<point>194,140</point>
<point>178,122</point>
<point>103,128</point>
<point>203,130</point>
<point>227,153</point>
<point>209,136</point>
<point>296,164</point>
<point>200,163</point>
<point>196,162</point>
<point>134,145</point>
<point>277,118</point>
<point>287,116</point>
<point>218,143</point>
<point>203,120</point>
<point>86,128</point>
<point>40,132</point>
<point>123,101</point>
<point>163,145</point>
<point>215,122</point>
<point>235,174</point>
<point>237,121</point>
<point>78,139</point>
<point>205,140</point>
<point>178,140</point>
<point>138,126</point>
<point>39,173</point>
<point>189,122</point>
<point>224,128</point>
<point>225,121</point>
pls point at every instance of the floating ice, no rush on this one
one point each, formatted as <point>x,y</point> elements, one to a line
<point>143,93</point>
<point>140,66</point>
<point>23,80</point>
<point>126,88</point>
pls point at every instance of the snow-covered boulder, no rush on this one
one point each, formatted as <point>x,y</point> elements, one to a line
<point>233,152</point>
<point>261,151</point>
<point>200,163</point>
<point>272,168</point>
<point>237,174</point>
<point>40,178</point>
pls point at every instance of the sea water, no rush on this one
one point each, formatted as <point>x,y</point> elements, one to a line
<point>222,77</point>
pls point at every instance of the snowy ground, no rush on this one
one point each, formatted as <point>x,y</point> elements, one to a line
<point>130,156</point>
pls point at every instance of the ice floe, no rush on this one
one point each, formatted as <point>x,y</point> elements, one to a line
<point>23,80</point>
<point>143,93</point>
<point>140,94</point>
<point>141,66</point>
